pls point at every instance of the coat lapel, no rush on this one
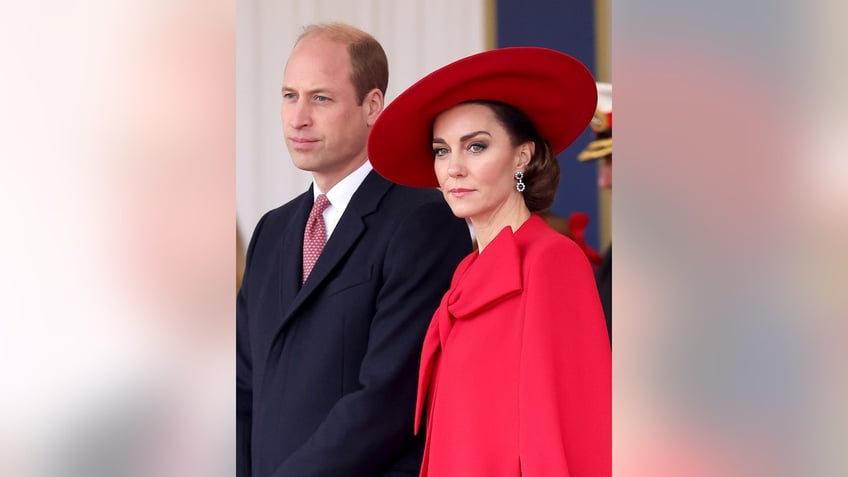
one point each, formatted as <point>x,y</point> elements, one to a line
<point>346,234</point>
<point>291,263</point>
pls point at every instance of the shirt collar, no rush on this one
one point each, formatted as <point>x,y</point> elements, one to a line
<point>340,194</point>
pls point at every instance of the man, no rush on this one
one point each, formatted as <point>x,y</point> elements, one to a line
<point>328,349</point>
<point>601,148</point>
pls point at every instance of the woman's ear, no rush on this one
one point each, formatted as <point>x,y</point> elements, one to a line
<point>525,154</point>
<point>372,104</point>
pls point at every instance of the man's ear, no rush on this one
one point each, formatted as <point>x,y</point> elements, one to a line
<point>372,104</point>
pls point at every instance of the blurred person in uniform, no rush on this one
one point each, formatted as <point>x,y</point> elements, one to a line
<point>601,149</point>
<point>340,283</point>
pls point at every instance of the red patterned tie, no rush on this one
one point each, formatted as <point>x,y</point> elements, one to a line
<point>315,235</point>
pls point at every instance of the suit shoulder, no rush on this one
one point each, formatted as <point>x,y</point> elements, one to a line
<point>283,211</point>
<point>413,196</point>
<point>401,201</point>
<point>277,219</point>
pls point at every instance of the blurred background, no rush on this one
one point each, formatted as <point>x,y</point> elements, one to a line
<point>136,134</point>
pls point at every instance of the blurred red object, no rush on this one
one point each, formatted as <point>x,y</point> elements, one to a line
<point>577,223</point>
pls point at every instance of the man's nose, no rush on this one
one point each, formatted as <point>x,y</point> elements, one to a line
<point>299,115</point>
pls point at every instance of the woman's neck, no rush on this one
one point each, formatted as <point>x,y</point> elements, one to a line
<point>487,228</point>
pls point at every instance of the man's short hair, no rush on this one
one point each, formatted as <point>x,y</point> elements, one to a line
<point>369,65</point>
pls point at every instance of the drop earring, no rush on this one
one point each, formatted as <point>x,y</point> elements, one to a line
<point>519,185</point>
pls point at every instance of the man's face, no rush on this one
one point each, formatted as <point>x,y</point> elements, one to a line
<point>325,129</point>
<point>605,173</point>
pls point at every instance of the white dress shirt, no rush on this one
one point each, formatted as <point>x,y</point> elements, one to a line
<point>340,194</point>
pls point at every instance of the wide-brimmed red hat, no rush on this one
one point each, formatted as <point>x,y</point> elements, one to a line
<point>553,89</point>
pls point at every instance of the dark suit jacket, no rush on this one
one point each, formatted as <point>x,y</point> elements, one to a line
<point>326,373</point>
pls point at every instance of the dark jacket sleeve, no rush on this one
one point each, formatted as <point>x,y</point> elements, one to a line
<point>244,367</point>
<point>364,430</point>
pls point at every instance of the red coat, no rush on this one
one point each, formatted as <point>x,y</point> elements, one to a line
<point>516,364</point>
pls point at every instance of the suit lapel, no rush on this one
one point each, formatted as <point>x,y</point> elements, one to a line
<point>291,263</point>
<point>346,234</point>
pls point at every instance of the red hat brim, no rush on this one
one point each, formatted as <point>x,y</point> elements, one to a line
<point>553,89</point>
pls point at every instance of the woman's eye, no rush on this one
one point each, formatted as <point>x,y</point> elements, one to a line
<point>439,151</point>
<point>477,147</point>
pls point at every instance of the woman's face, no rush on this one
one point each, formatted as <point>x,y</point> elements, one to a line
<point>475,161</point>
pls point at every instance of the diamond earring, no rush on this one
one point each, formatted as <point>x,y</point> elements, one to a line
<point>519,185</point>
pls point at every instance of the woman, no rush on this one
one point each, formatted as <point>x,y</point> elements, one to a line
<point>515,368</point>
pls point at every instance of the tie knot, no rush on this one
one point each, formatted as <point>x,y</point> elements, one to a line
<point>321,204</point>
